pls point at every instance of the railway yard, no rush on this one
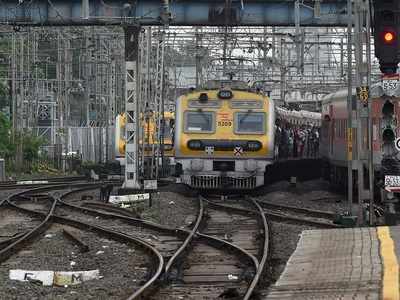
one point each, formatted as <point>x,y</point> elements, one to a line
<point>187,245</point>
<point>213,149</point>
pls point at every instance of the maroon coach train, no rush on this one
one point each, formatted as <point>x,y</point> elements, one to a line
<point>333,145</point>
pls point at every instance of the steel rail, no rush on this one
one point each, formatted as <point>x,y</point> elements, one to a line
<point>313,212</point>
<point>101,230</point>
<point>265,253</point>
<point>155,226</point>
<point>13,243</point>
<point>52,188</point>
<point>9,250</point>
<point>237,248</point>
<point>278,216</point>
<point>5,243</point>
<point>116,235</point>
<point>243,252</point>
<point>260,265</point>
<point>33,185</point>
<point>163,228</point>
<point>188,239</point>
<point>131,220</point>
<point>52,179</point>
<point>109,208</point>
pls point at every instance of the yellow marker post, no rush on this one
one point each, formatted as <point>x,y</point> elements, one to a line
<point>350,143</point>
<point>390,284</point>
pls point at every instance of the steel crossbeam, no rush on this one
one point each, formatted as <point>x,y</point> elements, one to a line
<point>187,12</point>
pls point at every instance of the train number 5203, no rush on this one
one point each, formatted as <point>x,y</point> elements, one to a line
<point>225,123</point>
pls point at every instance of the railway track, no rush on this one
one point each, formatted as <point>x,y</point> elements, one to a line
<point>184,276</point>
<point>223,253</point>
<point>181,250</point>
<point>27,184</point>
<point>292,214</point>
<point>218,263</point>
<point>288,214</point>
<point>52,217</point>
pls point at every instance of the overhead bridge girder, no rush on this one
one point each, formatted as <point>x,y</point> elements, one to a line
<point>183,12</point>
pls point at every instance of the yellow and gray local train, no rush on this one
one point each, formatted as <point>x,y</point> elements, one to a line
<point>224,137</point>
<point>148,126</point>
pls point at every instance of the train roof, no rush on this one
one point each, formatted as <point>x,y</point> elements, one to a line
<point>298,113</point>
<point>376,91</point>
<point>213,93</point>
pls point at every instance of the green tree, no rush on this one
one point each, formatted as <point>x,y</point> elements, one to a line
<point>31,145</point>
<point>4,96</point>
<point>6,147</point>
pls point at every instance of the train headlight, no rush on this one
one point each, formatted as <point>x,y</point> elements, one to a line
<point>195,145</point>
<point>196,165</point>
<point>253,146</point>
<point>250,165</point>
<point>203,98</point>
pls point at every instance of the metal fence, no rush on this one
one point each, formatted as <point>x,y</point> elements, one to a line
<point>89,144</point>
<point>92,143</point>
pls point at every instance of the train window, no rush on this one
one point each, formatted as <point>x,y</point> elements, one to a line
<point>199,122</point>
<point>250,122</point>
<point>246,104</point>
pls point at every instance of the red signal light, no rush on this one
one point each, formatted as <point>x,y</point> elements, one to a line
<point>388,36</point>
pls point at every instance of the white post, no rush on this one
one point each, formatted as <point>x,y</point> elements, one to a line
<point>131,107</point>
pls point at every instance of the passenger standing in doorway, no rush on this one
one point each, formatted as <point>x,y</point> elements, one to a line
<point>301,141</point>
<point>290,140</point>
<point>284,142</point>
<point>316,141</point>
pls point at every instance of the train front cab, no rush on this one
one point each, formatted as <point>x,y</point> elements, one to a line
<point>224,143</point>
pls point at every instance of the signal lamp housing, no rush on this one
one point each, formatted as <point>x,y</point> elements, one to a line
<point>388,135</point>
<point>388,109</point>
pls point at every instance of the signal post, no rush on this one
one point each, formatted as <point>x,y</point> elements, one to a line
<point>387,50</point>
<point>359,120</point>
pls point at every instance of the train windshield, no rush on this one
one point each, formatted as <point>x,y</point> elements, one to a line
<point>199,121</point>
<point>250,122</point>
